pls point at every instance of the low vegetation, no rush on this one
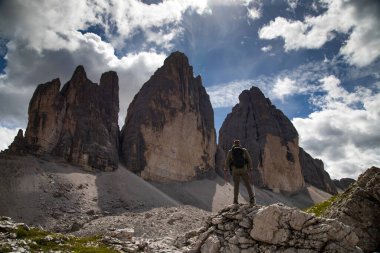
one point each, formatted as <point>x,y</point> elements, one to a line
<point>38,240</point>
<point>321,208</point>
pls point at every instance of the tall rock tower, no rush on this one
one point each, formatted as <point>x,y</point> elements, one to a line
<point>169,132</point>
<point>270,138</point>
<point>78,123</point>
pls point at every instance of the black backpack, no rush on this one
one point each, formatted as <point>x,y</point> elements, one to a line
<point>238,159</point>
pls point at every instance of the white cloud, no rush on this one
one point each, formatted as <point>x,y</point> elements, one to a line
<point>97,56</point>
<point>130,16</point>
<point>6,137</point>
<point>254,13</point>
<point>285,87</point>
<point>227,94</point>
<point>266,49</point>
<point>301,80</point>
<point>254,8</point>
<point>52,25</point>
<point>293,4</point>
<point>348,17</point>
<point>344,131</point>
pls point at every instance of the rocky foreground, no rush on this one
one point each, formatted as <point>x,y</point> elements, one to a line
<point>236,228</point>
<point>359,207</point>
<point>274,228</point>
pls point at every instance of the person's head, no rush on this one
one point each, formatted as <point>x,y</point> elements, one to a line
<point>236,142</point>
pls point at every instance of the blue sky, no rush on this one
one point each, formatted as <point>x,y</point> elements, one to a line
<point>318,61</point>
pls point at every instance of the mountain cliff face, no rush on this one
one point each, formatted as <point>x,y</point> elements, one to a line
<point>343,183</point>
<point>169,129</point>
<point>272,140</point>
<point>78,123</point>
<point>315,174</point>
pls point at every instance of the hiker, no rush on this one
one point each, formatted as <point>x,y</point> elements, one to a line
<point>239,161</point>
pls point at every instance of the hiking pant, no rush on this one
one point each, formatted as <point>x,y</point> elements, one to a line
<point>236,175</point>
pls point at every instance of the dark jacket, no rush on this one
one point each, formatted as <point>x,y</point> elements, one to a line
<point>247,157</point>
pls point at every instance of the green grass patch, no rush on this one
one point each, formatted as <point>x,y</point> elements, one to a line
<point>45,241</point>
<point>32,233</point>
<point>321,208</point>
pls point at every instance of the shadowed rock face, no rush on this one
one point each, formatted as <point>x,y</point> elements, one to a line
<point>359,207</point>
<point>314,173</point>
<point>78,123</point>
<point>343,183</point>
<point>169,129</point>
<point>270,138</point>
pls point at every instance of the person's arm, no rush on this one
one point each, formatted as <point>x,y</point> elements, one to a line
<point>249,160</point>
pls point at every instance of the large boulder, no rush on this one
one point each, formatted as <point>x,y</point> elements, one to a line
<point>169,130</point>
<point>359,207</point>
<point>78,123</point>
<point>270,138</point>
<point>274,228</point>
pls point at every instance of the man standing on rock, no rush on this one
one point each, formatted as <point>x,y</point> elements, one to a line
<point>239,160</point>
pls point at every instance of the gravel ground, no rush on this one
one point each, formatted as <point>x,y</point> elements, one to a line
<point>156,223</point>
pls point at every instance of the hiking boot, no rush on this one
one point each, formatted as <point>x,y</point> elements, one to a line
<point>252,201</point>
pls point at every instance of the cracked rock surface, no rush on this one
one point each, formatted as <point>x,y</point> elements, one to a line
<point>274,228</point>
<point>359,207</point>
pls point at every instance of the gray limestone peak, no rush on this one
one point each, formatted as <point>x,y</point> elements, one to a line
<point>269,136</point>
<point>169,128</point>
<point>78,123</point>
<point>272,140</point>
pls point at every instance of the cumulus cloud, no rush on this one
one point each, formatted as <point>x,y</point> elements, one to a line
<point>343,132</point>
<point>284,87</point>
<point>97,56</point>
<point>348,17</point>
<point>51,25</point>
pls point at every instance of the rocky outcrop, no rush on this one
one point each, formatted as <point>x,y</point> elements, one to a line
<point>274,228</point>
<point>169,129</point>
<point>79,123</point>
<point>343,183</point>
<point>359,207</point>
<point>270,138</point>
<point>314,173</point>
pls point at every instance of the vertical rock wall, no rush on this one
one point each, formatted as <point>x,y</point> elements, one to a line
<point>169,129</point>
<point>79,123</point>
<point>314,173</point>
<point>270,138</point>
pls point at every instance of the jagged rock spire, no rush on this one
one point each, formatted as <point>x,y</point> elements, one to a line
<point>78,123</point>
